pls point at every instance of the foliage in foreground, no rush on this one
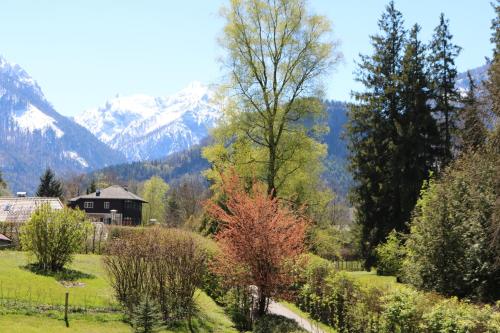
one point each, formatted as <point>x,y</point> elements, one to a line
<point>260,238</point>
<point>450,248</point>
<point>390,255</point>
<point>53,236</point>
<point>338,300</point>
<point>166,264</point>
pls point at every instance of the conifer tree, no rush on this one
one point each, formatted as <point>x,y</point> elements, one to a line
<point>49,185</point>
<point>147,317</point>
<point>92,187</point>
<point>445,95</point>
<point>493,87</point>
<point>493,83</point>
<point>374,138</point>
<point>419,134</point>
<point>473,133</point>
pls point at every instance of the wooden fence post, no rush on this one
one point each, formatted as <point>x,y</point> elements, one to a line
<point>66,309</point>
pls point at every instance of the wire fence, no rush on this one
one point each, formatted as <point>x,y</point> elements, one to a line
<point>348,265</point>
<point>42,300</point>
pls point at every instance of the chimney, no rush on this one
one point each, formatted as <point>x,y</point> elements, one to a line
<point>98,193</point>
<point>21,194</point>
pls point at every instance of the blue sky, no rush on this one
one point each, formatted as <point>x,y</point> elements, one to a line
<point>83,52</point>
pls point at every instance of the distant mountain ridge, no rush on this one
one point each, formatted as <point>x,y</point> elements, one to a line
<point>132,128</point>
<point>34,136</point>
<point>143,127</point>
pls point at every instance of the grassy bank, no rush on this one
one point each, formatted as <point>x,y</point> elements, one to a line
<point>31,302</point>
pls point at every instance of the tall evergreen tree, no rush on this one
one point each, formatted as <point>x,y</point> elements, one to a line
<point>49,185</point>
<point>473,132</point>
<point>373,135</point>
<point>445,95</point>
<point>493,87</point>
<point>418,129</point>
<point>493,83</point>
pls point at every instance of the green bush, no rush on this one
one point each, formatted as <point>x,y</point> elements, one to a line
<point>451,316</point>
<point>330,297</point>
<point>390,255</point>
<point>403,310</point>
<point>276,324</point>
<point>238,304</point>
<point>54,236</point>
<point>449,249</point>
<point>336,299</point>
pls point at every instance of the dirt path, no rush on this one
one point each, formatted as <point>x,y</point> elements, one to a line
<point>278,309</point>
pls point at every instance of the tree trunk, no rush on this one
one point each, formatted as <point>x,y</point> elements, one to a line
<point>271,172</point>
<point>261,303</point>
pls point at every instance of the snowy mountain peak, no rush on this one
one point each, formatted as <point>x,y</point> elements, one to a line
<point>18,76</point>
<point>147,127</point>
<point>33,135</point>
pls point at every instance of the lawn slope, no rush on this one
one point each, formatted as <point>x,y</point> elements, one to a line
<point>31,302</point>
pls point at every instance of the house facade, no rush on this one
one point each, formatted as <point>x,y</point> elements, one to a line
<point>112,205</point>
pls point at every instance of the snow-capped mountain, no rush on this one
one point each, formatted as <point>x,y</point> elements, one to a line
<point>34,136</point>
<point>479,76</point>
<point>143,127</point>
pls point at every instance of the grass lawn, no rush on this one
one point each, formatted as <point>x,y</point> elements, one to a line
<point>209,319</point>
<point>39,323</point>
<point>17,282</point>
<point>371,279</point>
<point>367,279</point>
<point>93,293</point>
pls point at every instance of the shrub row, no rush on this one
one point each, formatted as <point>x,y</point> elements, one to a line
<point>165,265</point>
<point>338,300</point>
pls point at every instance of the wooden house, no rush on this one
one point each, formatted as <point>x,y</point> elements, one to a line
<point>112,205</point>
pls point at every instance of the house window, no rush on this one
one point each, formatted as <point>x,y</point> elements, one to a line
<point>88,204</point>
<point>106,205</point>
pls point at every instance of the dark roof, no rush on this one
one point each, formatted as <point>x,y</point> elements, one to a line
<point>112,192</point>
<point>19,209</point>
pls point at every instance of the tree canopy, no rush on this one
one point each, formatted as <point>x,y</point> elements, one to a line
<point>154,192</point>
<point>276,56</point>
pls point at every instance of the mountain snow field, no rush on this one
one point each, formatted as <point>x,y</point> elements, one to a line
<point>144,127</point>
